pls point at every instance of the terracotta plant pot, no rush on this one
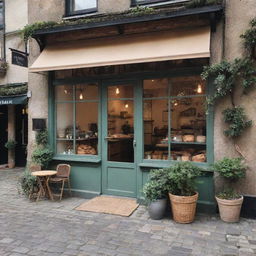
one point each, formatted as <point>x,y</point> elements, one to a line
<point>230,209</point>
<point>183,207</point>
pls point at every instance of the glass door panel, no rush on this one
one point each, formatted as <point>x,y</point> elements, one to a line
<point>120,124</point>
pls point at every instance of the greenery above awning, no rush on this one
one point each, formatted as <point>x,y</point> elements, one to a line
<point>14,89</point>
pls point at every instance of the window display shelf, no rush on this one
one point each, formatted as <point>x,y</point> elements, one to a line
<point>84,139</point>
<point>180,143</point>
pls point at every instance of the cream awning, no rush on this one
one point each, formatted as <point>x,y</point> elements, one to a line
<point>158,46</point>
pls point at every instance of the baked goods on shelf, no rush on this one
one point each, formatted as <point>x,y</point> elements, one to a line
<point>83,149</point>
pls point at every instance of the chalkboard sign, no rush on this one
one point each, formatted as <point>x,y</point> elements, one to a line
<point>19,58</point>
<point>38,124</point>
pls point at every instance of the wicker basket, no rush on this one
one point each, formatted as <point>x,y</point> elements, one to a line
<point>183,207</point>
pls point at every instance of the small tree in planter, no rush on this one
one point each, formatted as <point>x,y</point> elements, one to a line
<point>155,191</point>
<point>3,67</point>
<point>182,191</point>
<point>229,201</point>
<point>10,145</point>
<point>42,155</point>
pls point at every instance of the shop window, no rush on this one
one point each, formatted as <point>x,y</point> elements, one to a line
<point>77,119</point>
<point>74,7</point>
<point>175,119</point>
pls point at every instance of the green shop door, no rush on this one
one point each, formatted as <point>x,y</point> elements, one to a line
<point>119,139</point>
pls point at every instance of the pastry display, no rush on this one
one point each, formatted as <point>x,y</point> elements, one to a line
<point>83,149</point>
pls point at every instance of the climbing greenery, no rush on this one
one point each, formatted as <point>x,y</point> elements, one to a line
<point>236,120</point>
<point>250,37</point>
<point>29,30</point>
<point>228,75</point>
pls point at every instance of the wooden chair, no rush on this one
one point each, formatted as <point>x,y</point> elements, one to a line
<point>34,190</point>
<point>62,176</point>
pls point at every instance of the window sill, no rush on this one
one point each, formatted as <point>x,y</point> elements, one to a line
<point>157,4</point>
<point>81,15</point>
<point>165,164</point>
<point>76,158</point>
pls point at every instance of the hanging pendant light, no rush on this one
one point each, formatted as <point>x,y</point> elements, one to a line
<point>199,89</point>
<point>126,105</point>
<point>117,90</point>
<point>81,96</point>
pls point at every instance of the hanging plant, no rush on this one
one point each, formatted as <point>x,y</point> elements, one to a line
<point>237,121</point>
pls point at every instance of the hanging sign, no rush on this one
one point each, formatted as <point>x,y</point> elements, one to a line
<point>13,100</point>
<point>19,58</point>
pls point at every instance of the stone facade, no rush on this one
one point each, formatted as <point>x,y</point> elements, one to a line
<point>15,19</point>
<point>225,43</point>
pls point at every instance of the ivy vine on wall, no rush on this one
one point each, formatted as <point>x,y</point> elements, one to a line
<point>226,75</point>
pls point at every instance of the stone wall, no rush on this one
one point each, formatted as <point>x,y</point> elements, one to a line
<point>15,19</point>
<point>238,15</point>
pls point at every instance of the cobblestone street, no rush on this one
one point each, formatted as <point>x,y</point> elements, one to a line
<point>55,228</point>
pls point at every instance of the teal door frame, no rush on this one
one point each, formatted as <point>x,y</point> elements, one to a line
<point>120,178</point>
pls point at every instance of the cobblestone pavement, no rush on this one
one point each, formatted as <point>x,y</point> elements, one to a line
<point>55,228</point>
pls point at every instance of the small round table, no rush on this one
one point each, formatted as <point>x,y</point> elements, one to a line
<point>43,182</point>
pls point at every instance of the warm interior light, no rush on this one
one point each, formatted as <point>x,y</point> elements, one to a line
<point>117,90</point>
<point>176,104</point>
<point>199,88</point>
<point>81,97</point>
<point>153,80</point>
<point>66,91</point>
<point>126,105</point>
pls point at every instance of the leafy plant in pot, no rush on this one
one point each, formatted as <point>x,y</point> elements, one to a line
<point>10,145</point>
<point>229,200</point>
<point>155,191</point>
<point>182,191</point>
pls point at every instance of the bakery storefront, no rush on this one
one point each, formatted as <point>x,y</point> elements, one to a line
<point>121,106</point>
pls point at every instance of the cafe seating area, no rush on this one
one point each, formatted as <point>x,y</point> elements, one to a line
<point>47,181</point>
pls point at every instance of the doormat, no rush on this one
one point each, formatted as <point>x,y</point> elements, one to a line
<point>111,205</point>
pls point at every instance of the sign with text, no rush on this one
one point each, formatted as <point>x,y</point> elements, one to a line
<point>13,100</point>
<point>19,58</point>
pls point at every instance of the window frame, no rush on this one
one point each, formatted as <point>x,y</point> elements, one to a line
<point>148,2</point>
<point>74,102</point>
<point>169,98</point>
<point>69,10</point>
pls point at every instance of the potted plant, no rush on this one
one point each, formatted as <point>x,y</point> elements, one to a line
<point>155,191</point>
<point>182,191</point>
<point>42,155</point>
<point>10,145</point>
<point>229,200</point>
